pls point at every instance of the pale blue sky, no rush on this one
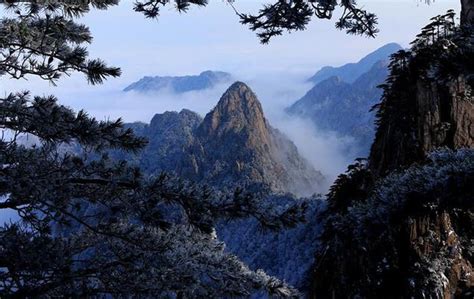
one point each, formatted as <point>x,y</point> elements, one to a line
<point>213,38</point>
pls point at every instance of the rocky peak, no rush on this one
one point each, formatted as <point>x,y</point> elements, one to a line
<point>351,71</point>
<point>171,118</point>
<point>238,112</point>
<point>169,135</point>
<point>236,144</point>
<point>233,146</point>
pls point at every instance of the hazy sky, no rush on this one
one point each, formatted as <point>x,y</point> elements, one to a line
<point>212,38</point>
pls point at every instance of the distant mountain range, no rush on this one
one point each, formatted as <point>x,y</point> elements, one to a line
<point>351,71</point>
<point>342,97</point>
<point>234,145</point>
<point>180,84</point>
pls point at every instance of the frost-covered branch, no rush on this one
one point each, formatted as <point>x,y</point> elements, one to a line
<point>281,15</point>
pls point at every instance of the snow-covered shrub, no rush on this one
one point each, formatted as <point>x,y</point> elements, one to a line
<point>370,246</point>
<point>286,254</point>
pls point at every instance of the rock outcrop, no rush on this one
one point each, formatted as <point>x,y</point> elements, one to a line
<point>412,237</point>
<point>170,135</point>
<point>424,114</point>
<point>234,145</point>
<point>401,225</point>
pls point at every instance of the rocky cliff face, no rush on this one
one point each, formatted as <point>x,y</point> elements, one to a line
<point>170,134</point>
<point>233,146</point>
<point>423,115</point>
<point>412,237</point>
<point>401,226</point>
<point>236,144</point>
<point>434,238</point>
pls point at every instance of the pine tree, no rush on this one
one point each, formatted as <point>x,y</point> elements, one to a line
<point>294,15</point>
<point>88,225</point>
<point>283,15</point>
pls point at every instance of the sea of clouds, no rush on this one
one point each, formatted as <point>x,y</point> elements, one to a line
<point>276,90</point>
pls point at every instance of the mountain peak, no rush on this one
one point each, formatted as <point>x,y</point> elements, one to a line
<point>210,73</point>
<point>351,71</point>
<point>236,143</point>
<point>382,53</point>
<point>341,106</point>
<point>233,146</point>
<point>241,94</point>
<point>180,84</point>
<point>241,88</point>
<point>237,110</point>
<point>170,121</point>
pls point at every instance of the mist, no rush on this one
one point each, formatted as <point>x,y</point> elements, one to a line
<point>324,150</point>
<point>276,72</point>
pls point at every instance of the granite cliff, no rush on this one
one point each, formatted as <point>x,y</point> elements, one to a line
<point>400,224</point>
<point>234,145</point>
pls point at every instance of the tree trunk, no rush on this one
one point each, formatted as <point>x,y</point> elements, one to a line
<point>467,12</point>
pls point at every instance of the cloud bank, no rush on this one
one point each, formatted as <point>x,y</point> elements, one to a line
<point>326,151</point>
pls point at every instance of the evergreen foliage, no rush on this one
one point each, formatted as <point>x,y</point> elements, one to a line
<point>396,229</point>
<point>440,54</point>
<point>287,254</point>
<point>293,15</point>
<point>90,226</point>
<point>350,187</point>
<point>369,241</point>
<point>280,15</point>
<point>43,40</point>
